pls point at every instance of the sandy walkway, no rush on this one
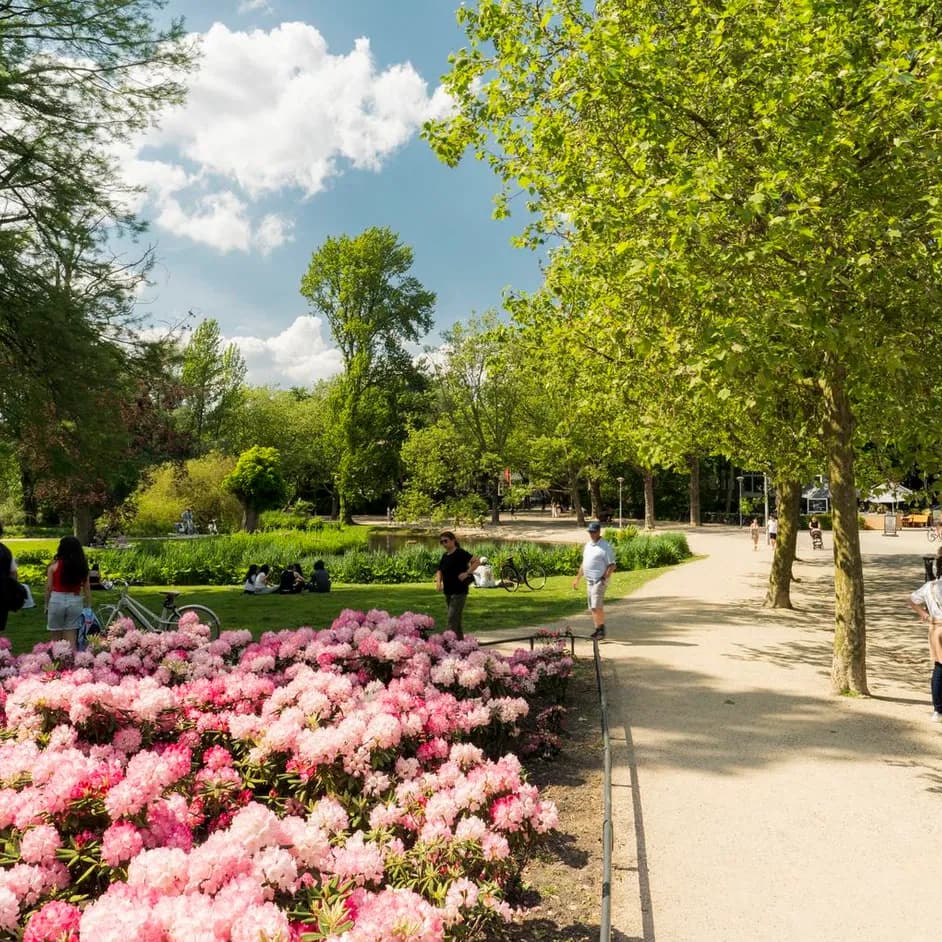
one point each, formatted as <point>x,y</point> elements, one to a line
<point>751,804</point>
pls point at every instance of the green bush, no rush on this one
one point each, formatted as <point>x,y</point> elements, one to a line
<point>220,560</point>
<point>292,519</point>
<point>156,506</point>
<point>223,560</point>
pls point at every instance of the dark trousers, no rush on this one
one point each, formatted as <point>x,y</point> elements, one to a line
<point>937,687</point>
<point>455,608</point>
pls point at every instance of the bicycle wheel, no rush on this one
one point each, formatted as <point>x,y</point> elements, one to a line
<point>106,614</point>
<point>509,577</point>
<point>535,577</point>
<point>205,615</point>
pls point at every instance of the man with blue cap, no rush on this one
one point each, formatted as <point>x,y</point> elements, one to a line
<point>598,564</point>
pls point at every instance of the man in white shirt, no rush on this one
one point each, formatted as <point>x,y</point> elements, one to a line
<point>598,564</point>
<point>927,602</point>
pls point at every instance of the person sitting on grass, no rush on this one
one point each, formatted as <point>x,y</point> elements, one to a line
<point>261,580</point>
<point>94,577</point>
<point>292,581</point>
<point>320,578</point>
<point>249,585</point>
<point>484,575</point>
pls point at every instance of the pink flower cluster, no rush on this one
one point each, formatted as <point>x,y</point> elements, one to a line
<point>169,786</point>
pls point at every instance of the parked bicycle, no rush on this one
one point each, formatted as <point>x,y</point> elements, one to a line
<point>143,617</point>
<point>511,575</point>
<point>934,532</point>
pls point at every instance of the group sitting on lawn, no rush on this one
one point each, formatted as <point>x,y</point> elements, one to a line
<point>291,581</point>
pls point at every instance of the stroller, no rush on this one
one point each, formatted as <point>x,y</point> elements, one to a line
<point>817,541</point>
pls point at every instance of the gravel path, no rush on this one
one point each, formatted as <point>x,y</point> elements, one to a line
<point>751,804</point>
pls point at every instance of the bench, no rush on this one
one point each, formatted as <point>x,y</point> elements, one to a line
<point>916,520</point>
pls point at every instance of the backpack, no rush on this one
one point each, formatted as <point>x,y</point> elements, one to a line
<point>12,599</point>
<point>88,624</point>
<point>15,595</point>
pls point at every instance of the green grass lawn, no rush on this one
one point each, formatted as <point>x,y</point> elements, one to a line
<point>487,609</point>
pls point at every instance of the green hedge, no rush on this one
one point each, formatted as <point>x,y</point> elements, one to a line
<point>223,560</point>
<point>219,560</point>
<point>418,563</point>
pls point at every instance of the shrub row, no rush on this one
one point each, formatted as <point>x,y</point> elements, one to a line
<point>223,560</point>
<point>417,563</point>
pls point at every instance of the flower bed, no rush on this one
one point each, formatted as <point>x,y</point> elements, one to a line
<point>349,784</point>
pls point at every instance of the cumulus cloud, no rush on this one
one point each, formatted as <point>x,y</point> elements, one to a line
<point>298,356</point>
<point>271,111</point>
<point>248,6</point>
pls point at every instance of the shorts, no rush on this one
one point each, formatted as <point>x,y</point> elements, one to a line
<point>64,610</point>
<point>596,593</point>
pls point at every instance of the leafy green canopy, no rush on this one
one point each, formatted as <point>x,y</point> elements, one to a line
<point>760,180</point>
<point>363,288</point>
<point>75,77</point>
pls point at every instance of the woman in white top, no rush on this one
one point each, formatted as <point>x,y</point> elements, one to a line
<point>927,602</point>
<point>261,580</point>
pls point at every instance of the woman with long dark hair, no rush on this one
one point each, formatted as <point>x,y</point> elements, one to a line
<point>67,586</point>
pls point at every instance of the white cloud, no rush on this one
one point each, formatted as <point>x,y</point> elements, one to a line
<point>269,112</point>
<point>298,356</point>
<point>272,231</point>
<point>218,220</point>
<point>247,6</point>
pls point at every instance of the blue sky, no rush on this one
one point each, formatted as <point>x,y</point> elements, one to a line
<point>303,123</point>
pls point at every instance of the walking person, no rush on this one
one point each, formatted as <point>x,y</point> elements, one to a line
<point>773,530</point>
<point>598,564</point>
<point>67,584</point>
<point>754,533</point>
<point>926,601</point>
<point>454,577</point>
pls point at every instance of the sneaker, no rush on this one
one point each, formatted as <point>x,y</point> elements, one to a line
<point>598,634</point>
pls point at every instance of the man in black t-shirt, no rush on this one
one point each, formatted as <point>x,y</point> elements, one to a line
<point>454,578</point>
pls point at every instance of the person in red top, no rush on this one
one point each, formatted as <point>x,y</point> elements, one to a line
<point>67,587</point>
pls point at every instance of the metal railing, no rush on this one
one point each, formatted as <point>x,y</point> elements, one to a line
<point>605,919</point>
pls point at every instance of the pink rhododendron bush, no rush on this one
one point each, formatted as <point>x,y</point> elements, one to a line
<point>350,784</point>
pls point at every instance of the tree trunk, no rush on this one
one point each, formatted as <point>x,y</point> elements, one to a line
<point>849,662</point>
<point>648,499</point>
<point>30,504</point>
<point>595,498</point>
<point>576,497</point>
<point>693,463</point>
<point>250,519</point>
<point>495,505</point>
<point>780,576</point>
<point>730,487</point>
<point>82,522</point>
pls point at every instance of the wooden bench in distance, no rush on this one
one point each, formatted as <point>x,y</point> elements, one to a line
<point>915,520</point>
